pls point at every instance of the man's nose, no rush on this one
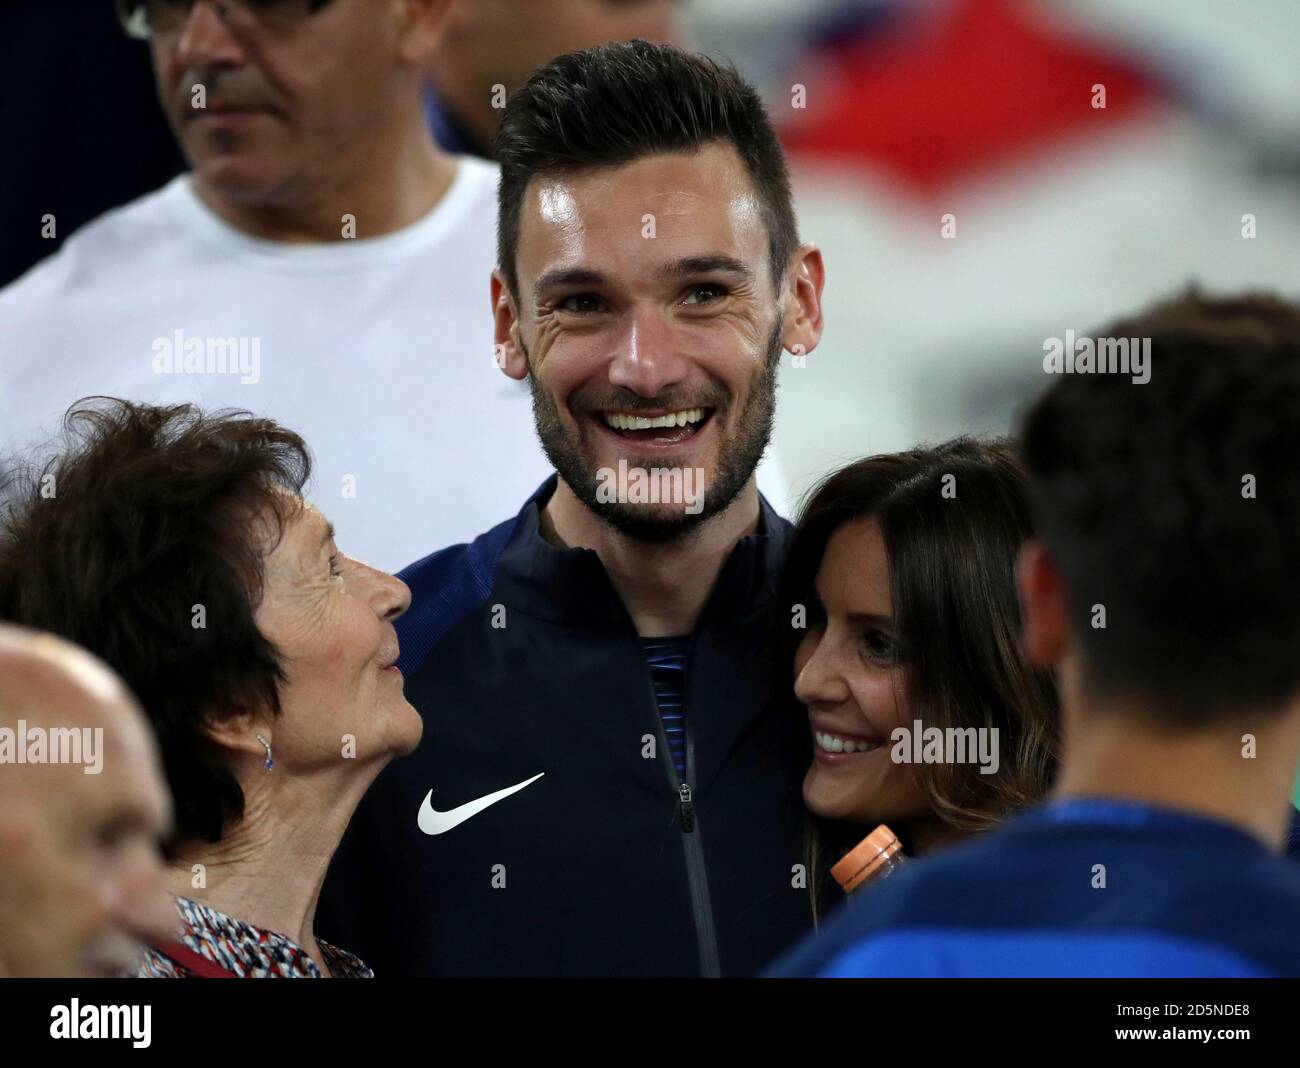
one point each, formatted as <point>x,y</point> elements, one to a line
<point>142,904</point>
<point>649,358</point>
<point>206,37</point>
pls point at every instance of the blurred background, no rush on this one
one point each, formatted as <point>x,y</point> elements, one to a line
<point>1065,214</point>
<point>980,174</point>
<point>898,114</point>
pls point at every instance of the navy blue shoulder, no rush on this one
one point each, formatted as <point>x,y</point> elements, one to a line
<point>966,887</point>
<point>445,587</point>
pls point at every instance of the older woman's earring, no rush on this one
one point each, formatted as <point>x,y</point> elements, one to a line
<point>269,762</point>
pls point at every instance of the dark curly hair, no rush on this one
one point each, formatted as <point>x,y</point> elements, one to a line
<point>1175,504</point>
<point>149,513</point>
<point>621,102</point>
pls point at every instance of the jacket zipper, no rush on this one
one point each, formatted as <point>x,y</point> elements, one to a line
<point>697,877</point>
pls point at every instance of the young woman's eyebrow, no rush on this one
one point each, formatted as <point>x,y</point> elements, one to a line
<point>884,622</point>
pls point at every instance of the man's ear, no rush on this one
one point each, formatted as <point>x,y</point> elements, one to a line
<point>420,29</point>
<point>1042,605</point>
<point>507,352</point>
<point>802,323</point>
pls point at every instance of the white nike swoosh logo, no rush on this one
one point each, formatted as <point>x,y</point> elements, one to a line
<point>434,822</point>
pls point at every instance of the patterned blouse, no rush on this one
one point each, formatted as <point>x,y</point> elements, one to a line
<point>246,951</point>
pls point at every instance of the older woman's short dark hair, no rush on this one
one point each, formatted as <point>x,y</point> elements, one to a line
<point>141,541</point>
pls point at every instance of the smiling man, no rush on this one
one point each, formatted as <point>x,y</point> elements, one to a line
<point>605,788</point>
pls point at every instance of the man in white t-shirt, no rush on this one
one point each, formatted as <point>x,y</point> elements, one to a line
<point>323,263</point>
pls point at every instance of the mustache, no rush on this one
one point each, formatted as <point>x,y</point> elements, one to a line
<point>219,88</point>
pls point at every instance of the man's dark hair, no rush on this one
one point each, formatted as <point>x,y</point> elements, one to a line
<point>617,103</point>
<point>149,513</point>
<point>1175,504</point>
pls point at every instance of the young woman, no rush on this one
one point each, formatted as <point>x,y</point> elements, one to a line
<point>904,568</point>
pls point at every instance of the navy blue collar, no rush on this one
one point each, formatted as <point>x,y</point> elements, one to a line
<point>1122,814</point>
<point>571,586</point>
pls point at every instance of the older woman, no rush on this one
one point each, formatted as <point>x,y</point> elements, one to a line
<point>178,547</point>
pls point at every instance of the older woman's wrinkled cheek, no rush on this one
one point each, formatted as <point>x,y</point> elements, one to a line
<point>307,628</point>
<point>346,661</point>
<point>325,661</point>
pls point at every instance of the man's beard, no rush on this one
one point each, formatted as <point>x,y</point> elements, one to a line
<point>738,454</point>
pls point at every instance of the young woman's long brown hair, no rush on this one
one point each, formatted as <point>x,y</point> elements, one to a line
<point>951,560</point>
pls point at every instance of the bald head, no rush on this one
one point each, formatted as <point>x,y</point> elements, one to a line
<point>47,683</point>
<point>82,807</point>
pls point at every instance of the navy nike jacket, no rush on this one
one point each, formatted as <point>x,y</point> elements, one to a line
<point>530,675</point>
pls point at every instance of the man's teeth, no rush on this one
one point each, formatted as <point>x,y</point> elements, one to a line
<point>834,743</point>
<point>619,421</point>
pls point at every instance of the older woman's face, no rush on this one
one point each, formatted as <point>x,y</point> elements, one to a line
<point>331,618</point>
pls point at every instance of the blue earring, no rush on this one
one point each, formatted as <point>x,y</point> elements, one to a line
<point>269,762</point>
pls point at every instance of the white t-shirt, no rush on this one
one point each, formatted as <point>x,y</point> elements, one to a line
<point>377,351</point>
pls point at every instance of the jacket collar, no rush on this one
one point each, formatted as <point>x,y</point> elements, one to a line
<point>571,586</point>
